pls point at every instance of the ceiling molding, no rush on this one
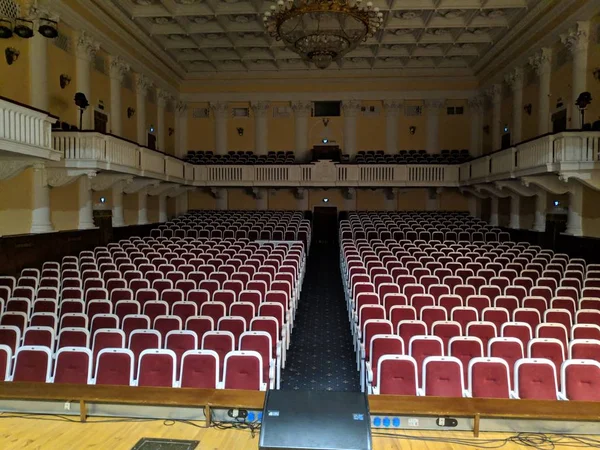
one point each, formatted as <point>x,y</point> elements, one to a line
<point>492,73</point>
<point>77,22</point>
<point>312,96</point>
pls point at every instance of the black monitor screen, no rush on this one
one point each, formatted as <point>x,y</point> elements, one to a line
<point>327,109</point>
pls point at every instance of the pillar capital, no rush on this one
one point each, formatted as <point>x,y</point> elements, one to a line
<point>302,108</point>
<point>494,92</point>
<point>142,84</point>
<point>118,68</point>
<point>541,61</point>
<point>577,38</point>
<point>261,108</point>
<point>181,107</point>
<point>220,109</point>
<point>86,47</point>
<point>476,104</point>
<point>514,79</point>
<point>163,97</point>
<point>434,106</point>
<point>351,108</point>
<point>393,107</point>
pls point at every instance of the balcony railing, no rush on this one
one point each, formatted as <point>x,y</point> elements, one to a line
<point>550,153</point>
<point>26,131</point>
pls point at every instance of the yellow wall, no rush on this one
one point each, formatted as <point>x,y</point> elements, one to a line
<point>61,62</point>
<point>201,199</point>
<point>14,79</point>
<point>64,206</point>
<point>370,200</point>
<point>101,87</point>
<point>130,208</point>
<point>169,140</point>
<point>591,212</point>
<point>281,135</point>
<point>240,199</point>
<point>506,114</point>
<point>15,203</point>
<point>234,140</point>
<point>128,100</point>
<point>530,121</point>
<point>334,131</point>
<point>504,211</point>
<point>152,207</point>
<point>455,130</point>
<point>412,199</point>
<point>560,84</point>
<point>282,199</point>
<point>201,132</point>
<point>107,194</point>
<point>152,118</point>
<point>316,196</point>
<point>370,129</point>
<point>527,212</point>
<point>593,112</point>
<point>171,206</point>
<point>417,141</point>
<point>452,200</point>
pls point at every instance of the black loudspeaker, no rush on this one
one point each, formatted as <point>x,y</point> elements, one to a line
<point>296,420</point>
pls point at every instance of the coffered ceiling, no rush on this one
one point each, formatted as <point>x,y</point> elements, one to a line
<point>207,36</point>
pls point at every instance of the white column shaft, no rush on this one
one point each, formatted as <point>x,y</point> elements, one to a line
<point>140,105</point>
<point>40,211</point>
<point>580,63</point>
<point>301,137</point>
<point>574,216</point>
<point>433,133</point>
<point>515,209</point>
<point>86,209</point>
<point>160,124</point>
<point>496,128</point>
<point>540,212</point>
<point>350,135</point>
<point>142,206</point>
<point>38,72</point>
<point>476,125</point>
<point>516,132</point>
<point>162,208</point>
<point>544,102</point>
<point>222,200</point>
<point>118,218</point>
<point>262,200</point>
<point>116,121</point>
<point>221,134</point>
<point>260,135</point>
<point>302,202</point>
<point>474,205</point>
<point>181,134</point>
<point>494,211</point>
<point>391,133</point>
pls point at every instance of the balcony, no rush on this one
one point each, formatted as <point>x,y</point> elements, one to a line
<point>567,151</point>
<point>25,132</point>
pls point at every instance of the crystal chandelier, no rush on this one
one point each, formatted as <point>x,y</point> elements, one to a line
<point>322,31</point>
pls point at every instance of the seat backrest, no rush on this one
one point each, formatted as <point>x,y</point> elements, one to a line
<point>32,364</point>
<point>243,370</point>
<point>443,376</point>
<point>489,378</point>
<point>535,379</point>
<point>199,369</point>
<point>73,365</point>
<point>114,366</point>
<point>396,375</point>
<point>581,380</point>
<point>157,368</point>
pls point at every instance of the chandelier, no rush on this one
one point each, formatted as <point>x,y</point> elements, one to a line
<point>322,31</point>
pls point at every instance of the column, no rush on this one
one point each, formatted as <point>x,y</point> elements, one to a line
<point>118,218</point>
<point>301,195</point>
<point>474,205</point>
<point>142,206</point>
<point>476,108</point>
<point>38,72</point>
<point>86,207</point>
<point>181,129</point>
<point>40,211</point>
<point>349,199</point>
<point>262,198</point>
<point>434,109</point>
<point>540,211</point>
<point>392,110</point>
<point>260,110</point>
<point>515,80</point>
<point>86,52</point>
<point>162,97</point>
<point>181,203</point>
<point>577,41</point>
<point>574,216</point>
<point>391,199</point>
<point>433,200</point>
<point>301,114</point>
<point>118,69</point>
<point>350,110</point>
<point>143,83</point>
<point>494,211</point>
<point>221,111</point>
<point>542,63</point>
<point>515,209</point>
<point>495,93</point>
<point>162,208</point>
<point>221,196</point>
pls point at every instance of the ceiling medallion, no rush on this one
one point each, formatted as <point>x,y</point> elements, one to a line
<point>452,13</point>
<point>407,15</point>
<point>176,37</point>
<point>239,19</point>
<point>163,20</point>
<point>145,2</point>
<point>402,31</point>
<point>188,2</point>
<point>200,20</point>
<point>322,31</point>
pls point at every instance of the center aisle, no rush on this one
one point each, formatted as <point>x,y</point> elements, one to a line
<point>321,355</point>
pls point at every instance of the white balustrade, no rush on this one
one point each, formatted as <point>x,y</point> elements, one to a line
<point>119,151</point>
<point>502,161</point>
<point>535,153</point>
<point>480,168</point>
<point>152,161</point>
<point>26,131</point>
<point>174,167</point>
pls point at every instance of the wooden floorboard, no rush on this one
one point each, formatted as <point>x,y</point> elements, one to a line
<point>30,434</point>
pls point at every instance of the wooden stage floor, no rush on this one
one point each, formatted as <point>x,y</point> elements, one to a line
<point>39,433</point>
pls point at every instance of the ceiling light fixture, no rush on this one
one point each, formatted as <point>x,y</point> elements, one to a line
<point>322,31</point>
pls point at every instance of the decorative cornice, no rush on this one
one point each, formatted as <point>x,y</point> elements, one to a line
<point>163,188</point>
<point>349,193</point>
<point>142,84</point>
<point>351,107</point>
<point>181,108</point>
<point>476,104</point>
<point>104,181</point>
<point>56,176</point>
<point>138,184</point>
<point>260,109</point>
<point>515,79</point>
<point>217,193</point>
<point>577,38</point>
<point>118,68</point>
<point>163,97</point>
<point>11,168</point>
<point>494,92</point>
<point>86,46</point>
<point>541,61</point>
<point>393,107</point>
<point>302,108</point>
<point>299,193</point>
<point>220,109</point>
<point>434,106</point>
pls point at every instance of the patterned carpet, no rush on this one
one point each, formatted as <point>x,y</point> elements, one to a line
<point>321,354</point>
